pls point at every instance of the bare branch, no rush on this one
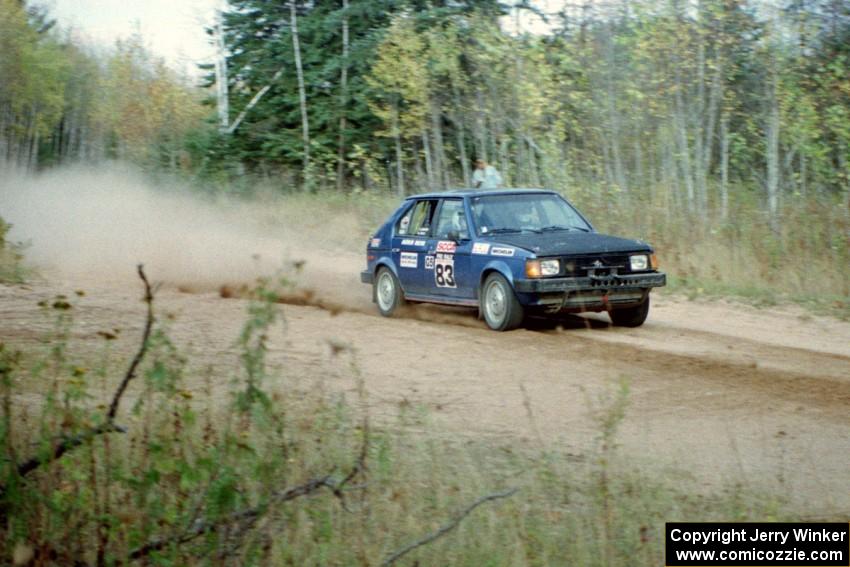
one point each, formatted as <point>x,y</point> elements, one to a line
<point>254,100</point>
<point>67,444</point>
<point>131,370</point>
<point>250,515</point>
<point>358,467</point>
<point>447,527</point>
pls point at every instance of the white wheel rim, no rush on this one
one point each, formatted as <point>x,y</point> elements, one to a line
<point>495,303</point>
<point>386,291</point>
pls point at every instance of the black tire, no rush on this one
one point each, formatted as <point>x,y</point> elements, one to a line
<point>499,305</point>
<point>630,316</point>
<point>387,292</point>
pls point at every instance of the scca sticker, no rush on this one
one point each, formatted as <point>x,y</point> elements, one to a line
<point>480,248</point>
<point>444,270</point>
<point>499,251</point>
<point>409,259</point>
<point>429,262</point>
<point>446,246</point>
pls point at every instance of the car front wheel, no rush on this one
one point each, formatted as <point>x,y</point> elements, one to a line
<point>388,294</point>
<point>630,316</point>
<point>499,304</point>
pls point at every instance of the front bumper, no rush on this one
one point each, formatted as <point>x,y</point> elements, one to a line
<point>367,277</point>
<point>591,293</point>
<point>591,283</point>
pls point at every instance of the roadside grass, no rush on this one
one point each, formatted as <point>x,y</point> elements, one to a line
<point>12,269</point>
<point>277,473</point>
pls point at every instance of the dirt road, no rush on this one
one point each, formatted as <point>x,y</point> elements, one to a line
<point>720,393</point>
<point>723,394</point>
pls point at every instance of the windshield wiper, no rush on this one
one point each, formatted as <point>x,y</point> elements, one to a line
<point>503,230</point>
<point>559,227</point>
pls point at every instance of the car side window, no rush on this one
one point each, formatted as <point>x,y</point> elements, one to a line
<point>451,218</point>
<point>417,221</point>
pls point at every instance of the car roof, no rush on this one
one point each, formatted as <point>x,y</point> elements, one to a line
<point>477,193</point>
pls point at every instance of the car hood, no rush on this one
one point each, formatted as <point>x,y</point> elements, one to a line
<point>563,243</point>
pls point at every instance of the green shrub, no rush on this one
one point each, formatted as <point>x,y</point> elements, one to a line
<point>11,257</point>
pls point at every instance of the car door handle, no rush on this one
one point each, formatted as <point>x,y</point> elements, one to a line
<point>396,249</point>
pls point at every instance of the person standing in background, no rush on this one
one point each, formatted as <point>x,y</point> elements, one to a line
<point>485,176</point>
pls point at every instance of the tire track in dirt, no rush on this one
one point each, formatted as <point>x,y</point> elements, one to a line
<point>827,387</point>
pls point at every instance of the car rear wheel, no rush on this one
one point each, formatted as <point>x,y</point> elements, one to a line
<point>388,294</point>
<point>499,304</point>
<point>630,316</point>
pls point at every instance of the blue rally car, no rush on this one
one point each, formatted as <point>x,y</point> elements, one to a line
<point>509,252</point>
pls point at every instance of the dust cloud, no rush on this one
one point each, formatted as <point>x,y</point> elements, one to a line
<point>94,225</point>
<point>90,227</point>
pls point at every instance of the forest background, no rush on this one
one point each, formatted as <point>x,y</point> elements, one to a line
<point>717,129</point>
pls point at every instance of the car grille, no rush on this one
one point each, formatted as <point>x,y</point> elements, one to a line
<point>595,264</point>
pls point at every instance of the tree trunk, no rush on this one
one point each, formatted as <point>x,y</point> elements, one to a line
<point>440,162</point>
<point>33,160</point>
<point>343,103</point>
<point>613,114</point>
<point>772,149</point>
<point>420,178</point>
<point>715,97</point>
<point>724,166</point>
<point>4,141</point>
<point>460,133</point>
<point>680,124</point>
<point>429,162</point>
<point>302,95</point>
<point>480,135</point>
<point>461,144</point>
<point>534,174</point>
<point>507,180</point>
<point>398,154</point>
<point>221,76</point>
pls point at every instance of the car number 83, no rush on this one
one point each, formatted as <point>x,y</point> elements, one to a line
<point>444,271</point>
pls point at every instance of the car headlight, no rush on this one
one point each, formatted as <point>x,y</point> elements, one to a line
<point>542,268</point>
<point>639,262</point>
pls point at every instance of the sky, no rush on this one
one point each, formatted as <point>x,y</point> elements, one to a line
<point>172,29</point>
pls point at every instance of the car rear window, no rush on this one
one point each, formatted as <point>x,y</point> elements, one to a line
<point>417,220</point>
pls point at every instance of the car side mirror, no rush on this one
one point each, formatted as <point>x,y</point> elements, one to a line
<point>453,235</point>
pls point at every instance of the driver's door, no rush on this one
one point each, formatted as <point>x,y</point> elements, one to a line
<point>447,263</point>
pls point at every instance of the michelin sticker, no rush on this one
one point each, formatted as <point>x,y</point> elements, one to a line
<point>480,248</point>
<point>500,251</point>
<point>409,259</point>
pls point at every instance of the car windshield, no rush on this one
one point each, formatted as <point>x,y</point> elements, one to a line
<point>518,213</point>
